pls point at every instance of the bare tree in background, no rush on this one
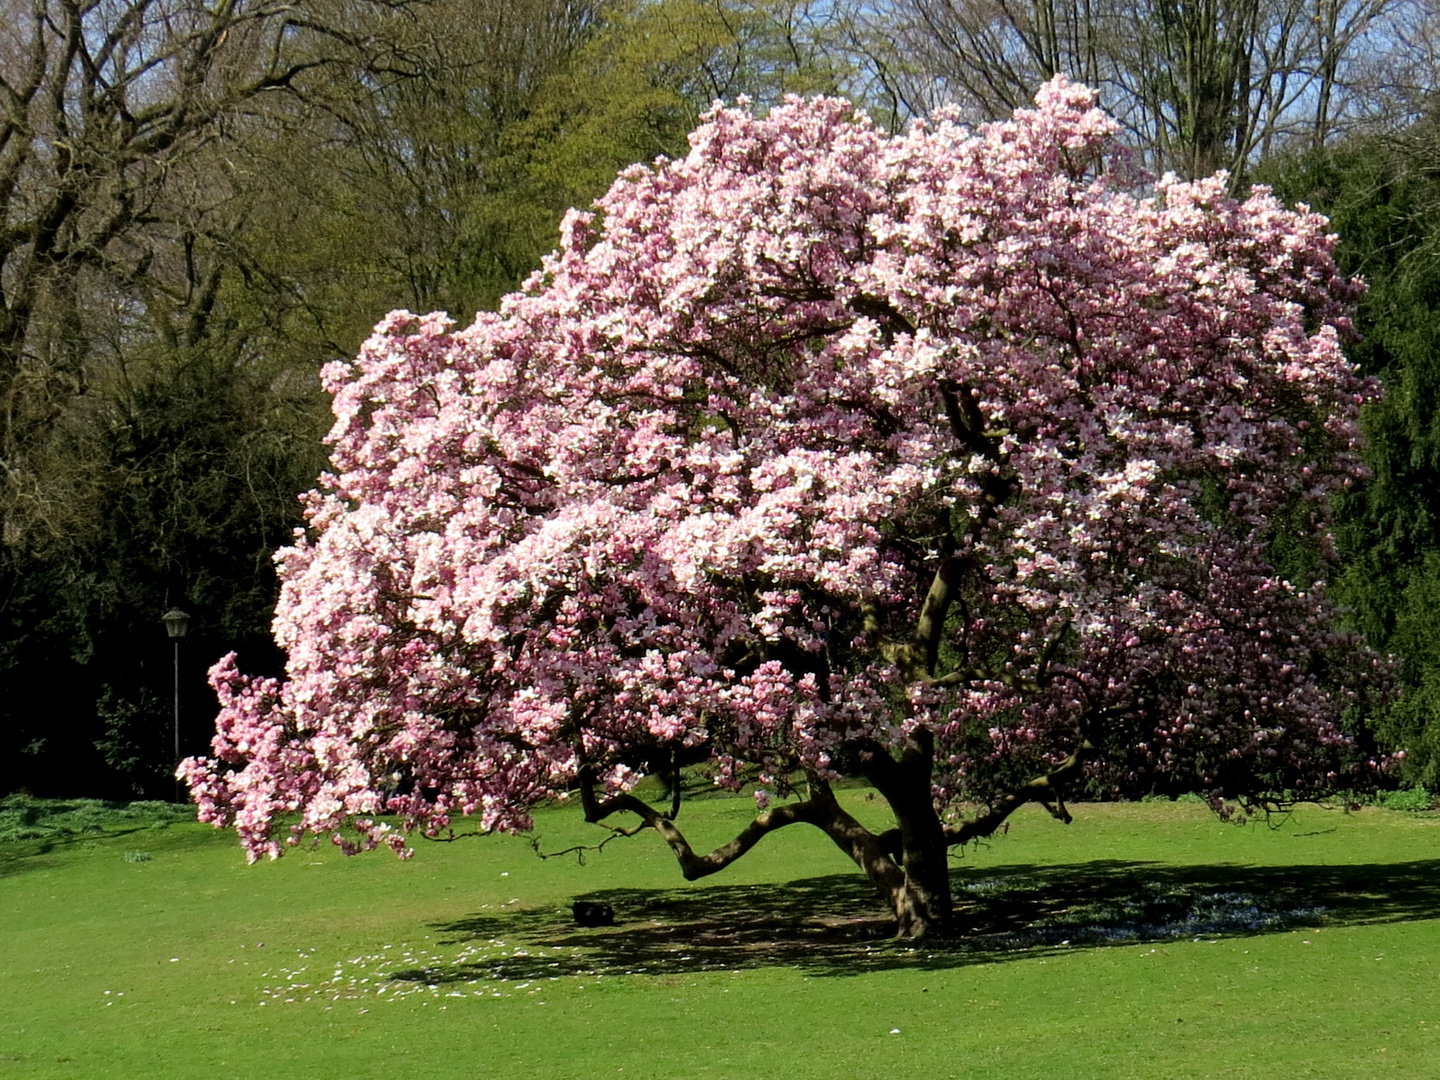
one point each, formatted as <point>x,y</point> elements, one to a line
<point>1200,84</point>
<point>105,107</point>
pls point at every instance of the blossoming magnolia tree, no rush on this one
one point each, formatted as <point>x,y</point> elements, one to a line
<point>944,460</point>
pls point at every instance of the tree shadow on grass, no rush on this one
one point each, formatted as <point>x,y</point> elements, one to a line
<point>835,926</point>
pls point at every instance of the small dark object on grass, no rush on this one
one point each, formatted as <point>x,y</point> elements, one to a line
<point>589,913</point>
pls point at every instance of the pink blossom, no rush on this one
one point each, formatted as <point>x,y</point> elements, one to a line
<point>687,492</point>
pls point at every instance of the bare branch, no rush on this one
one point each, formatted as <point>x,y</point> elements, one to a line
<point>1199,84</point>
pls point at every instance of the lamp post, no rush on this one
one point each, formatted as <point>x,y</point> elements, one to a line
<point>176,623</point>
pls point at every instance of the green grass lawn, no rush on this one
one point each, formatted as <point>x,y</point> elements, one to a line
<point>1144,940</point>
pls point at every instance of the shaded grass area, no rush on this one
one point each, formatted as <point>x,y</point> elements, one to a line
<point>811,925</point>
<point>26,818</point>
<point>1144,941</point>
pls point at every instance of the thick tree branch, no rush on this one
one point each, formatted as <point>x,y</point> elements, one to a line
<point>1047,790</point>
<point>694,866</point>
<point>885,313</point>
<point>966,421</point>
<point>930,627</point>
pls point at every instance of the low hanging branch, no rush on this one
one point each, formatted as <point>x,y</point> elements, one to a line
<point>694,866</point>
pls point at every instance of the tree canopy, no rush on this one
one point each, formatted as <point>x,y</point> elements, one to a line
<point>944,460</point>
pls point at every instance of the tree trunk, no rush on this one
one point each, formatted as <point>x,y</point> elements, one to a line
<point>917,850</point>
<point>908,865</point>
<point>923,905</point>
<point>921,911</point>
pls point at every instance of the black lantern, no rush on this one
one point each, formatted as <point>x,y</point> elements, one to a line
<point>176,622</point>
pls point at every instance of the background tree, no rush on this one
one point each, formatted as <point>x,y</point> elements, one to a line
<point>190,472</point>
<point>105,107</point>
<point>338,159</point>
<point>434,173</point>
<point>940,460</point>
<point>1383,198</point>
<point>118,219</point>
<point>1198,85</point>
<point>638,88</point>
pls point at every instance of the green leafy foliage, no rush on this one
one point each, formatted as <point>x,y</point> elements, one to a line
<point>1411,799</point>
<point>1383,197</point>
<point>186,482</point>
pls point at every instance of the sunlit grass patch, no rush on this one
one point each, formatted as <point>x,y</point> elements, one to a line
<point>1146,941</point>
